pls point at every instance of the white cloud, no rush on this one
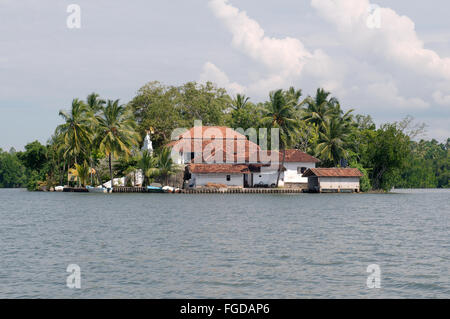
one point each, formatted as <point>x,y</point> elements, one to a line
<point>287,61</point>
<point>440,98</point>
<point>396,41</point>
<point>387,92</point>
<point>438,128</point>
<point>284,59</point>
<point>286,54</point>
<point>213,74</point>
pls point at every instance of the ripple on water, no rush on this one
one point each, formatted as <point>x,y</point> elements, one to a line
<point>224,246</point>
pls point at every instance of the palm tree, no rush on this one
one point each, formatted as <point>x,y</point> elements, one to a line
<point>239,102</point>
<point>82,172</point>
<point>77,129</point>
<point>166,165</point>
<point>95,103</point>
<point>346,117</point>
<point>280,114</point>
<point>332,140</point>
<point>56,154</point>
<point>115,132</point>
<point>319,107</point>
<point>294,95</point>
<point>147,163</point>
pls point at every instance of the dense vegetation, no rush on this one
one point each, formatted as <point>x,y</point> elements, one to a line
<point>106,136</point>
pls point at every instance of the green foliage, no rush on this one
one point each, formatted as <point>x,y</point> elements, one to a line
<point>166,166</point>
<point>77,129</point>
<point>148,164</point>
<point>427,166</point>
<point>365,184</point>
<point>96,133</point>
<point>319,108</point>
<point>12,171</point>
<point>280,113</point>
<point>165,108</point>
<point>95,103</point>
<point>245,117</point>
<point>332,126</point>
<point>116,133</point>
<point>240,102</point>
<point>387,153</point>
<point>33,180</point>
<point>35,156</point>
<point>82,172</point>
<point>331,147</point>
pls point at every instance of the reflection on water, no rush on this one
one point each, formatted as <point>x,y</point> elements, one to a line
<point>225,246</point>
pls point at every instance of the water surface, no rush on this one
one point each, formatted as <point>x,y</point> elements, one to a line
<point>225,245</point>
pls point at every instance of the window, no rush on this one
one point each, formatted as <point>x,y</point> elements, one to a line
<point>228,178</point>
<point>301,170</point>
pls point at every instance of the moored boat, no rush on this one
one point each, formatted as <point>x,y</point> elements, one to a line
<point>170,189</point>
<point>155,189</point>
<point>99,189</point>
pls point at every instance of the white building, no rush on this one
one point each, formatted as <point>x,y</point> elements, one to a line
<point>220,155</point>
<point>333,179</point>
<point>148,145</point>
<point>230,175</point>
<point>296,163</point>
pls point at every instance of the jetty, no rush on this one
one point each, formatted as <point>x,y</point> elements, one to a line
<point>122,189</point>
<point>243,191</point>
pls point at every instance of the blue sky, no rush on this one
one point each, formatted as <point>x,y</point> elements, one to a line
<point>401,68</point>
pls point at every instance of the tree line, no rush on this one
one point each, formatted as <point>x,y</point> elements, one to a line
<point>100,139</point>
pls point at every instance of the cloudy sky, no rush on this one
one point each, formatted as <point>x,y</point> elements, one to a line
<point>387,58</point>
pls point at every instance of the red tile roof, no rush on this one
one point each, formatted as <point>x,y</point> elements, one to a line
<point>216,150</point>
<point>295,156</point>
<point>299,156</point>
<point>209,132</point>
<point>235,147</point>
<point>333,172</point>
<point>218,168</point>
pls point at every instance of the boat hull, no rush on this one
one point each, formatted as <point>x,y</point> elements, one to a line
<point>99,190</point>
<point>153,189</point>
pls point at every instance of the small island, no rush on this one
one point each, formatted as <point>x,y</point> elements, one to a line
<point>150,145</point>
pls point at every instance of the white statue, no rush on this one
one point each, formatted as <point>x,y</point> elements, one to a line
<point>148,145</point>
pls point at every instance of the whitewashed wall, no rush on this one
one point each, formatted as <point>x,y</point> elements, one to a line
<point>291,175</point>
<point>182,157</point>
<point>268,176</point>
<point>265,178</point>
<point>203,179</point>
<point>339,182</point>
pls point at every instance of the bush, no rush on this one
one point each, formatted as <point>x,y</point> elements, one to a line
<point>33,181</point>
<point>365,180</point>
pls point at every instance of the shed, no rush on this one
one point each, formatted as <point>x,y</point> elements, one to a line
<point>226,174</point>
<point>333,179</point>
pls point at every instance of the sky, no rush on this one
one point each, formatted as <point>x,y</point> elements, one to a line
<point>386,58</point>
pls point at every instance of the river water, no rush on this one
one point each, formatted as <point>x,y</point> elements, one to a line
<point>225,245</point>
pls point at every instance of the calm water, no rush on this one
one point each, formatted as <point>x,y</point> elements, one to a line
<point>225,246</point>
